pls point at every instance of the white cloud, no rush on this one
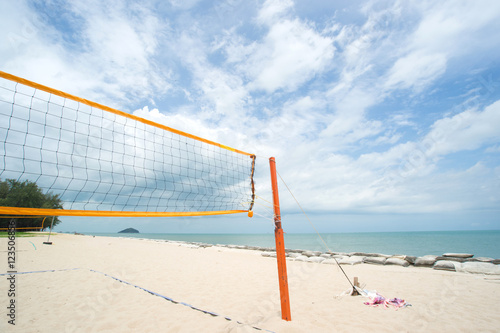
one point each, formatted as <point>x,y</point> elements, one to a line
<point>178,121</point>
<point>220,95</point>
<point>309,91</point>
<point>348,124</point>
<point>112,62</point>
<point>446,31</point>
<point>468,130</point>
<point>342,184</point>
<point>184,4</point>
<point>405,178</point>
<point>195,126</point>
<point>465,131</point>
<point>273,10</point>
<point>291,54</point>
<point>402,119</point>
<point>20,28</point>
<point>416,71</point>
<point>450,25</point>
<point>493,149</point>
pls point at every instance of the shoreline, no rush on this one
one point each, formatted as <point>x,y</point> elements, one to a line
<point>479,243</point>
<point>456,262</point>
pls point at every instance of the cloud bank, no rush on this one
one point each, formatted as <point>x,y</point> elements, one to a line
<point>368,108</point>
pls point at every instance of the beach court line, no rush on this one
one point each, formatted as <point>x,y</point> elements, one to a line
<point>213,314</point>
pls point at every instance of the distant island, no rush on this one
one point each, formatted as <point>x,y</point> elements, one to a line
<point>129,231</point>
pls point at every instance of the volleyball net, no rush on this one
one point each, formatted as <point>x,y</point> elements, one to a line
<point>104,162</point>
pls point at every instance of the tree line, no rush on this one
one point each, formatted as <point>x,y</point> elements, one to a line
<point>14,193</point>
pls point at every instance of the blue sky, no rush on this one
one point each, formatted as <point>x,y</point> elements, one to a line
<point>382,115</point>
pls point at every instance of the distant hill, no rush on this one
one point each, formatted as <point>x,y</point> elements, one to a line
<point>129,231</point>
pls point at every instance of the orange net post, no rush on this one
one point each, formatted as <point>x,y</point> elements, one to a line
<point>280,247</point>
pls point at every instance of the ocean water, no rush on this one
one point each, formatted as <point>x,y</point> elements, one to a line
<point>479,243</point>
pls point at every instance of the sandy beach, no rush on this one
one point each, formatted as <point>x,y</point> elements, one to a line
<point>79,294</point>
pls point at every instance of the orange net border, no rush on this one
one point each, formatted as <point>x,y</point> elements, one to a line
<point>60,212</point>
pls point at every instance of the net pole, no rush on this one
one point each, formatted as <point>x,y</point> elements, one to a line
<point>48,242</point>
<point>280,246</point>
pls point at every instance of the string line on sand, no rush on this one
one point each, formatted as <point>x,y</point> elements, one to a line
<point>213,314</point>
<point>45,271</point>
<point>316,230</point>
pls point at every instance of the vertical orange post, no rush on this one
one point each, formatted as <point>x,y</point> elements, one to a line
<point>280,246</point>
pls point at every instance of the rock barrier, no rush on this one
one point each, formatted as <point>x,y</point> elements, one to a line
<point>457,262</point>
<point>375,260</point>
<point>426,261</point>
<point>446,265</point>
<point>397,261</point>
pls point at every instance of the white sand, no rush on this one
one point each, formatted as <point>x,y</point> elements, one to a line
<point>238,284</point>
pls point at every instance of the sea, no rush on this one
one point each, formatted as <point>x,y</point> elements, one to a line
<point>419,243</point>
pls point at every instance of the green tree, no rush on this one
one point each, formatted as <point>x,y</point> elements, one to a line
<point>14,193</point>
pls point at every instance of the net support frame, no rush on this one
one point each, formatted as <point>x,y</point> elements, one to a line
<point>74,212</point>
<point>111,213</point>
